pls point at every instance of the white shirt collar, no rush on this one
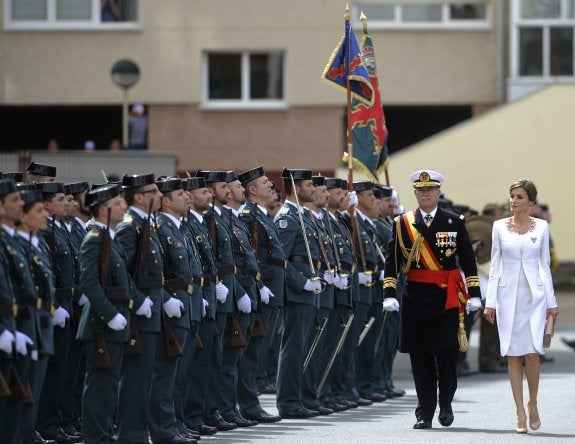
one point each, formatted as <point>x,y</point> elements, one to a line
<point>103,225</point>
<point>432,213</point>
<point>139,212</point>
<point>56,222</point>
<point>176,220</point>
<point>236,212</point>
<point>263,209</point>
<point>10,230</point>
<point>216,209</point>
<point>81,222</point>
<point>318,216</point>
<point>197,216</point>
<point>35,241</point>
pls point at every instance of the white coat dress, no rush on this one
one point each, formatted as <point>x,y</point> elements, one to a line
<point>520,288</point>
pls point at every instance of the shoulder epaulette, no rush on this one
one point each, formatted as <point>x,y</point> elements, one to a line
<point>94,233</point>
<point>462,217</point>
<point>128,219</point>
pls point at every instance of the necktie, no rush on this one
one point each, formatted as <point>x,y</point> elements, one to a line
<point>428,218</point>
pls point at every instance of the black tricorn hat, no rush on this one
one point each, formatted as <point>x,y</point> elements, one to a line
<point>344,184</point>
<point>249,175</point>
<point>137,180</point>
<point>331,183</point>
<point>37,169</point>
<point>212,176</point>
<point>29,186</point>
<point>7,186</point>
<point>318,181</point>
<point>169,184</point>
<point>51,187</point>
<point>16,177</point>
<point>381,191</point>
<point>193,183</point>
<point>231,176</point>
<point>76,187</point>
<point>297,174</point>
<point>31,196</point>
<point>102,194</point>
<point>362,185</point>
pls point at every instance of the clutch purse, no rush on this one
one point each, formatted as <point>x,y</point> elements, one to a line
<point>549,330</point>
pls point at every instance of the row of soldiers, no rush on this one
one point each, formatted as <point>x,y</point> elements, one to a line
<point>144,310</point>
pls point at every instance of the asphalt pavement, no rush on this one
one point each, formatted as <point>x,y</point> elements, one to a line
<point>483,407</point>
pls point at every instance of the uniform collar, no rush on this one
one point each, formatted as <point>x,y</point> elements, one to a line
<point>102,225</point>
<point>177,221</point>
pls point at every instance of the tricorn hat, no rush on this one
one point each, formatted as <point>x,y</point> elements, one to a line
<point>76,187</point>
<point>332,182</point>
<point>318,181</point>
<point>102,194</point>
<point>16,177</point>
<point>296,174</point>
<point>249,175</point>
<point>7,186</point>
<point>51,187</point>
<point>193,183</point>
<point>213,176</point>
<point>169,184</point>
<point>137,180</point>
<point>362,185</point>
<point>37,169</point>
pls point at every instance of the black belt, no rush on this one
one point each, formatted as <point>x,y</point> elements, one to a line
<point>276,262</point>
<point>348,266</point>
<point>245,280</point>
<point>267,275</point>
<point>123,302</point>
<point>305,260</point>
<point>64,293</point>
<point>149,282</point>
<point>119,296</point>
<point>226,269</point>
<point>7,310</point>
<point>181,284</point>
<point>30,302</point>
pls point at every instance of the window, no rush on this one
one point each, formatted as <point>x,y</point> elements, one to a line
<point>411,15</point>
<point>543,38</point>
<point>244,80</point>
<point>70,14</point>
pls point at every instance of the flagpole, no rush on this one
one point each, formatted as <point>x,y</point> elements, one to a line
<point>351,209</point>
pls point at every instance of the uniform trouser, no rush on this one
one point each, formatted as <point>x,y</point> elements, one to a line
<point>17,411</point>
<point>489,348</point>
<point>334,330</point>
<point>135,389</point>
<point>366,360</point>
<point>342,379</point>
<point>359,321</point>
<point>49,411</point>
<point>221,401</point>
<point>248,370</point>
<point>267,358</point>
<point>101,394</point>
<point>195,376</point>
<point>162,414</point>
<point>74,380</point>
<point>298,320</point>
<point>312,374</point>
<point>388,350</point>
<point>430,372</point>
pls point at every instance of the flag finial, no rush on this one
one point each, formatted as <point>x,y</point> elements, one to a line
<point>346,11</point>
<point>363,19</point>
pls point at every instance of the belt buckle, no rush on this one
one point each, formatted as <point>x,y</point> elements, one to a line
<point>201,281</point>
<point>258,276</point>
<point>190,289</point>
<point>130,304</point>
<point>52,309</point>
<point>234,269</point>
<point>286,263</point>
<point>14,309</point>
<point>38,303</point>
<point>353,267</point>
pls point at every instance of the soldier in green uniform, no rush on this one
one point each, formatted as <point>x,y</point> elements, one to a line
<point>62,258</point>
<point>104,325</point>
<point>249,276</point>
<point>181,312</point>
<point>272,263</point>
<point>137,236</point>
<point>425,245</point>
<point>302,289</point>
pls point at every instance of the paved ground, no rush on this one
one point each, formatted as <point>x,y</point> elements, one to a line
<point>483,407</point>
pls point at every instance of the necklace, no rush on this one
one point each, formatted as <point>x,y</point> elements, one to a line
<point>520,230</point>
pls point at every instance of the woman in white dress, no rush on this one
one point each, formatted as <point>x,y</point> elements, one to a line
<point>520,293</point>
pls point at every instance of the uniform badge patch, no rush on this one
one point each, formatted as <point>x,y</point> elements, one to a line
<point>283,223</point>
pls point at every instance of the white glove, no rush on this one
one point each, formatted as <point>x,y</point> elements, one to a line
<point>390,304</point>
<point>265,294</point>
<point>342,283</point>
<point>205,304</point>
<point>82,301</point>
<point>221,292</point>
<point>473,304</point>
<point>314,286</point>
<point>118,322</point>
<point>352,199</point>
<point>34,355</point>
<point>7,341</point>
<point>173,308</point>
<point>60,316</point>
<point>245,304</point>
<point>22,341</point>
<point>381,275</point>
<point>365,278</point>
<point>145,309</point>
<point>329,277</point>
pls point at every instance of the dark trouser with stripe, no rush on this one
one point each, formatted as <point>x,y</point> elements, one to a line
<point>430,372</point>
<point>359,321</point>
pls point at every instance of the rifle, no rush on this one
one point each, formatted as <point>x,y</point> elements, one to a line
<point>4,389</point>
<point>172,347</point>
<point>17,390</point>
<point>199,343</point>
<point>237,338</point>
<point>134,346</point>
<point>102,359</point>
<point>258,330</point>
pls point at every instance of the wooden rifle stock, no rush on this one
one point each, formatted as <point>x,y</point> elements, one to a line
<point>134,346</point>
<point>15,386</point>
<point>258,330</point>
<point>4,389</point>
<point>172,347</point>
<point>237,338</point>
<point>199,343</point>
<point>29,395</point>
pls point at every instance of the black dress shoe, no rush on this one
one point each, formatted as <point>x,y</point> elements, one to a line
<point>350,404</point>
<point>569,343</point>
<point>62,438</point>
<point>322,410</point>
<point>240,421</point>
<point>396,393</point>
<point>422,424</point>
<point>204,429</point>
<point>39,439</point>
<point>222,424</point>
<point>445,417</point>
<point>335,406</point>
<point>376,397</point>
<point>299,413</point>
<point>192,433</point>
<point>363,402</point>
<point>263,417</point>
<point>267,389</point>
